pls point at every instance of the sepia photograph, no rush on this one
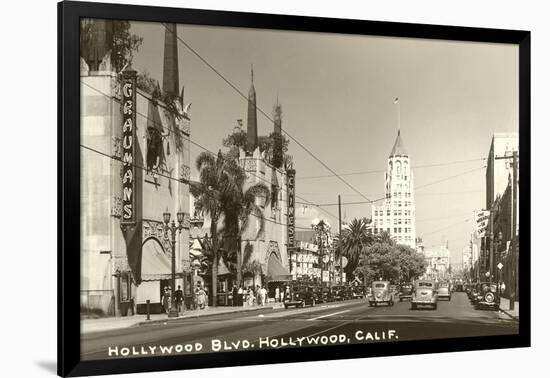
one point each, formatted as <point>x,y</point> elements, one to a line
<point>247,189</point>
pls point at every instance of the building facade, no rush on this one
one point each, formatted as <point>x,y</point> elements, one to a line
<point>397,214</point>
<point>134,167</point>
<point>496,174</point>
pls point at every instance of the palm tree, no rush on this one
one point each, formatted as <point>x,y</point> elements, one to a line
<point>384,238</point>
<point>354,238</point>
<point>218,182</point>
<point>238,212</point>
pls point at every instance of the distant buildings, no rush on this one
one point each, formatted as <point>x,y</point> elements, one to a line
<point>438,262</point>
<point>397,214</point>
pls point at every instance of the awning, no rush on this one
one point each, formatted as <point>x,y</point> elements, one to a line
<point>155,265</point>
<point>276,271</point>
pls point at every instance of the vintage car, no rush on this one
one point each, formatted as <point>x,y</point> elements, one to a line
<point>381,293</point>
<point>299,296</point>
<point>338,293</point>
<point>474,293</point>
<point>487,297</point>
<point>459,287</point>
<point>424,294</point>
<point>444,291</point>
<point>405,291</point>
<point>358,292</point>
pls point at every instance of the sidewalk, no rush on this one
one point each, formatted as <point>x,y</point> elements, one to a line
<point>505,307</point>
<point>114,323</point>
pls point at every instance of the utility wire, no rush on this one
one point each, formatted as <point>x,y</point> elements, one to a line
<point>417,187</point>
<point>383,170</point>
<point>306,202</point>
<point>228,82</point>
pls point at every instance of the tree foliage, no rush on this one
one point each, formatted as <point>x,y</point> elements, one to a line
<point>268,144</point>
<point>390,262</point>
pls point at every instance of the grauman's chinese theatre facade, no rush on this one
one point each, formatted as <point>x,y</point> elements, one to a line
<point>134,167</point>
<point>265,254</point>
<point>270,247</point>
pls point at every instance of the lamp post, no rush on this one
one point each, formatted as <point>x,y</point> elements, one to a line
<point>173,228</point>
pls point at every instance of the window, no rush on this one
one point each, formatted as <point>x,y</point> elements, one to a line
<point>388,213</point>
<point>395,230</point>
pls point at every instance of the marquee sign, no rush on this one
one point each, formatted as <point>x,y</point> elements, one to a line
<point>128,147</point>
<point>291,207</point>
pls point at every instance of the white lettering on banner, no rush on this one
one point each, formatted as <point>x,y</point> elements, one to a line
<point>291,207</point>
<point>128,142</point>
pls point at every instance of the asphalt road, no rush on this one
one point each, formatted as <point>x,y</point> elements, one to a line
<point>326,324</point>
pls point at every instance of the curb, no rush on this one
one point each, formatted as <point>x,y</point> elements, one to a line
<point>510,315</point>
<point>203,315</point>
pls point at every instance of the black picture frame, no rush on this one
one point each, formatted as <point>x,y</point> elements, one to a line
<point>69,14</point>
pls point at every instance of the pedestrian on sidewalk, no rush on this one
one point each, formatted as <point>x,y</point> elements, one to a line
<point>206,296</point>
<point>281,295</point>
<point>235,293</point>
<point>240,294</point>
<point>165,300</point>
<point>196,298</point>
<point>277,294</point>
<point>263,296</point>
<point>250,297</point>
<point>179,300</point>
<point>201,298</point>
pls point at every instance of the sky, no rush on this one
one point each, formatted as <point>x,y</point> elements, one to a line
<point>337,92</point>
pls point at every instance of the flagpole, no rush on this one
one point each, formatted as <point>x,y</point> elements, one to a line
<point>396,101</point>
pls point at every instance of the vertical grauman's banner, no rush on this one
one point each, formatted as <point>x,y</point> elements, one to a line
<point>128,147</point>
<point>130,224</point>
<point>291,174</point>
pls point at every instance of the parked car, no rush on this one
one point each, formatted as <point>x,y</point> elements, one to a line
<point>474,293</point>
<point>444,291</point>
<point>381,293</point>
<point>299,296</point>
<point>487,297</point>
<point>424,294</point>
<point>405,291</point>
<point>338,293</point>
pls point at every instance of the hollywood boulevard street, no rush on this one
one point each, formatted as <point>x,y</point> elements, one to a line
<point>327,324</point>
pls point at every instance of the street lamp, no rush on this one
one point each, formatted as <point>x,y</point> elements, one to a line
<point>173,228</point>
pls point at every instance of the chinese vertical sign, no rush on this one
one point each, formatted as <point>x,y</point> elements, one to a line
<point>291,207</point>
<point>128,147</point>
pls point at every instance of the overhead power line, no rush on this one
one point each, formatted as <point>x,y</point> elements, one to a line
<point>417,187</point>
<point>234,87</point>
<point>383,170</point>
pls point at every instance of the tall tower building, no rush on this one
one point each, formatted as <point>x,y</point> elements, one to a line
<point>170,76</point>
<point>397,214</point>
<point>252,121</point>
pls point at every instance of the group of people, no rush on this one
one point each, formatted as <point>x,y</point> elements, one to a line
<point>249,296</point>
<point>200,298</point>
<point>166,299</point>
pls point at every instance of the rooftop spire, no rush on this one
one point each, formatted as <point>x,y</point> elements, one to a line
<point>170,74</point>
<point>398,147</point>
<point>252,120</point>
